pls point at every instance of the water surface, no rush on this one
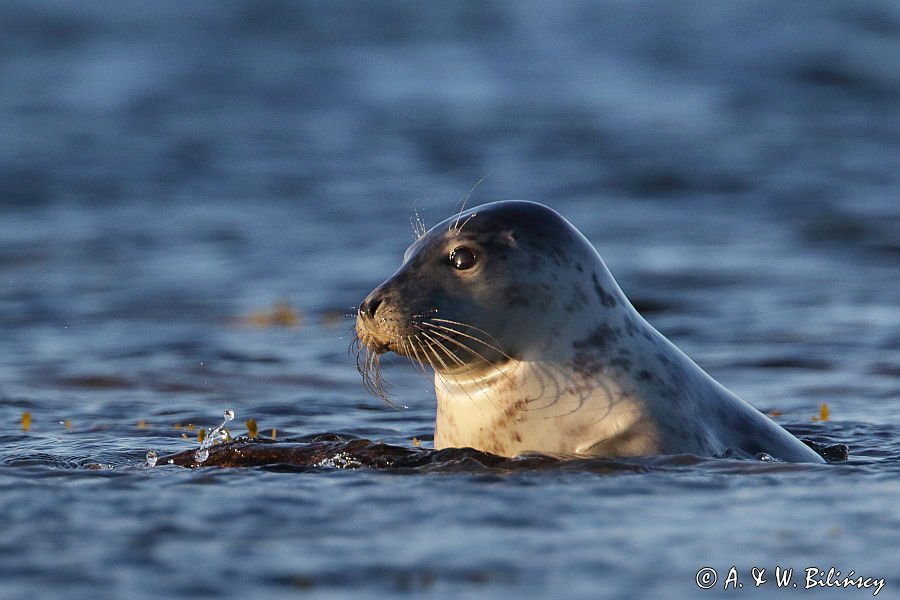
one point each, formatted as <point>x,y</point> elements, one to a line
<point>169,171</point>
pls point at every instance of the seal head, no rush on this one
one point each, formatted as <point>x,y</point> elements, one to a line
<point>535,348</point>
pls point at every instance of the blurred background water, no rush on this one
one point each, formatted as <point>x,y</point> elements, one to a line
<point>170,169</point>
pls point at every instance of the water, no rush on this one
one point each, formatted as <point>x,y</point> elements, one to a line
<point>170,171</point>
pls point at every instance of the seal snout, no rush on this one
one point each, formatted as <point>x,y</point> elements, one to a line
<point>370,305</point>
<point>372,327</point>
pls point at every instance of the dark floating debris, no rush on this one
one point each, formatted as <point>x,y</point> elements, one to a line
<point>831,453</point>
<point>330,451</point>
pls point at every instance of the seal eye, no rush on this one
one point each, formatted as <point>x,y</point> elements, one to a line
<point>463,258</point>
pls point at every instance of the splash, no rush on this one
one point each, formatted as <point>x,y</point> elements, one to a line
<point>217,435</point>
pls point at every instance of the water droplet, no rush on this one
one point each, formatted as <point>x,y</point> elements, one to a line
<point>341,460</point>
<point>229,415</point>
<point>151,458</point>
<point>201,455</point>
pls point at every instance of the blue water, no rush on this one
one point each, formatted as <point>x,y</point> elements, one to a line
<point>169,170</point>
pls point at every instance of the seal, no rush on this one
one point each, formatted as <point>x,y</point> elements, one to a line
<point>535,347</point>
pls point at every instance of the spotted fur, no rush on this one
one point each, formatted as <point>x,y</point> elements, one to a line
<point>536,348</point>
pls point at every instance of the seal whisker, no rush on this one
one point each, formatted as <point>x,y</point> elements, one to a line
<point>428,351</point>
<point>354,348</point>
<point>424,314</point>
<point>476,329</point>
<point>403,350</point>
<point>435,343</point>
<point>413,355</point>
<point>413,340</point>
<point>450,354</point>
<point>368,364</point>
<point>436,330</point>
<point>426,347</point>
<point>455,226</point>
<point>431,346</point>
<point>550,372</point>
<point>359,350</point>
<point>471,351</point>
<point>444,348</point>
<point>453,331</point>
<point>373,374</point>
<point>418,225</point>
<point>369,373</point>
<point>471,377</point>
<point>446,351</point>
<point>469,218</point>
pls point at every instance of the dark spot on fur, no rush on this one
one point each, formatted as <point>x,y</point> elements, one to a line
<point>586,364</point>
<point>622,363</point>
<point>645,375</point>
<point>536,262</point>
<point>591,353</point>
<point>579,268</point>
<point>671,394</point>
<point>577,301</point>
<point>517,295</point>
<point>511,410</point>
<point>599,339</point>
<point>606,299</point>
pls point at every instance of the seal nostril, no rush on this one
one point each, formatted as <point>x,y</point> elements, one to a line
<point>369,306</point>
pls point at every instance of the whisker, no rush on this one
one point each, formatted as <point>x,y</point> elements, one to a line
<point>461,363</point>
<point>444,348</point>
<point>471,351</point>
<point>456,227</point>
<point>453,331</point>
<point>429,351</point>
<point>469,218</point>
<point>429,312</point>
<point>418,225</point>
<point>409,350</point>
<point>368,364</point>
<point>494,347</point>
<point>437,356</point>
<point>418,359</point>
<point>422,347</point>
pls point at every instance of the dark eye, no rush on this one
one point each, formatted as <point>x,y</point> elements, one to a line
<point>463,258</point>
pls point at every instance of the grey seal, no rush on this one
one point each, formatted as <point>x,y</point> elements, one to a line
<point>535,347</point>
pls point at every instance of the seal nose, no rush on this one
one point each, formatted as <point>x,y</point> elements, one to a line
<point>370,305</point>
